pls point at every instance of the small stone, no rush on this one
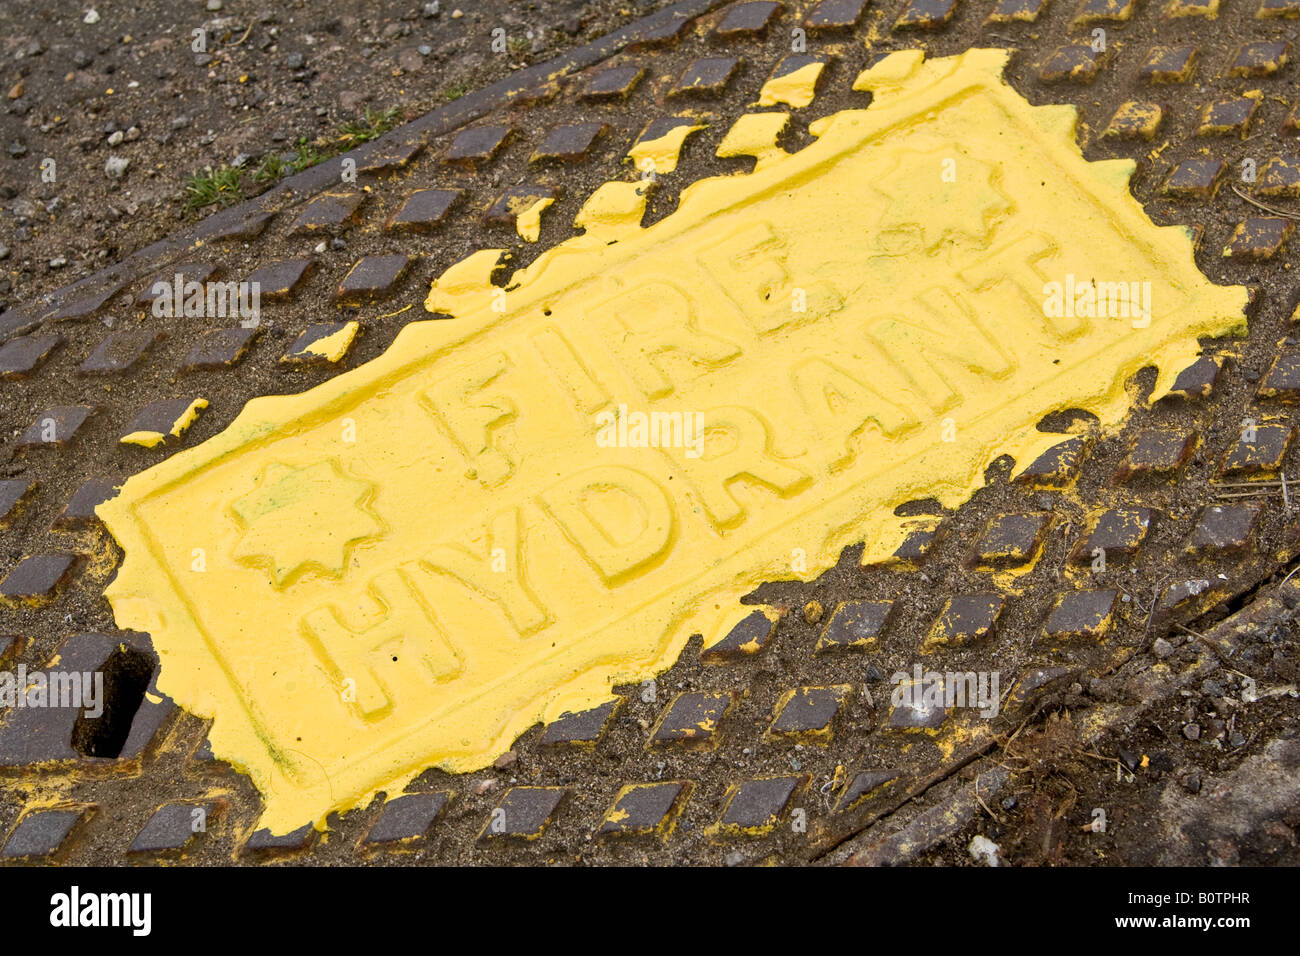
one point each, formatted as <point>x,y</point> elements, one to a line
<point>180,122</point>
<point>1212,688</point>
<point>1236,739</point>
<point>92,16</point>
<point>214,5</point>
<point>1192,731</point>
<point>17,149</point>
<point>81,59</point>
<point>424,49</point>
<point>320,247</point>
<point>1250,374</point>
<point>116,167</point>
<point>483,786</point>
<point>812,612</point>
<point>58,262</point>
<point>4,251</point>
<point>735,857</point>
<point>16,90</point>
<point>507,759</point>
<point>456,14</point>
<point>1008,803</point>
<point>336,244</point>
<point>1222,853</point>
<point>1162,648</point>
<point>133,134</point>
<point>1129,758</point>
<point>983,850</point>
<point>116,138</point>
<point>1192,782</point>
<point>295,61</point>
<point>431,9</point>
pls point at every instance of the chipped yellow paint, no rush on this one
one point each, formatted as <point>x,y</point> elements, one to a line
<point>334,346</point>
<point>795,89</point>
<point>966,737</point>
<point>613,212</point>
<point>720,828</point>
<point>755,134</point>
<point>1176,10</point>
<point>144,439</point>
<point>148,439</point>
<point>529,221</point>
<point>660,155</point>
<point>854,329</point>
<point>818,736</point>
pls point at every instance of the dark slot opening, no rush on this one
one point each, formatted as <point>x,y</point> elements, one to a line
<point>126,677</point>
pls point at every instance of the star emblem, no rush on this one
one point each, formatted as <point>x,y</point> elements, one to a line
<point>935,197</point>
<point>300,518</point>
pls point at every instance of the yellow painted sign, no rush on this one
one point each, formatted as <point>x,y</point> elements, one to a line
<point>517,508</point>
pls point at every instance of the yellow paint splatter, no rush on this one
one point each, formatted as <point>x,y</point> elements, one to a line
<point>660,155</point>
<point>334,346</point>
<point>795,89</point>
<point>150,439</point>
<point>755,134</point>
<point>529,222</point>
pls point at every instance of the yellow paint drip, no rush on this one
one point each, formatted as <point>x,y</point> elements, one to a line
<point>660,155</point>
<point>144,439</point>
<point>795,89</point>
<point>755,134</point>
<point>416,561</point>
<point>334,346</point>
<point>150,439</point>
<point>613,211</point>
<point>529,222</point>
